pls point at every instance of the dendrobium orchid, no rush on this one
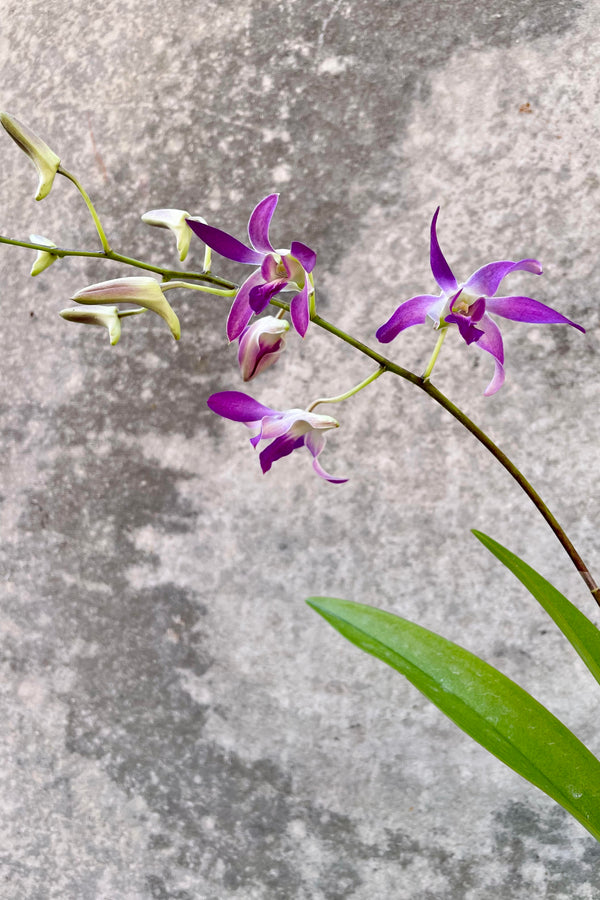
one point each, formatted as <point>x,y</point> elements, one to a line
<point>286,431</point>
<point>467,306</point>
<point>260,345</point>
<point>279,270</point>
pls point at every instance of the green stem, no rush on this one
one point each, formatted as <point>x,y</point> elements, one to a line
<point>482,437</point>
<point>198,287</point>
<point>90,206</point>
<point>435,354</point>
<point>126,260</point>
<point>349,393</point>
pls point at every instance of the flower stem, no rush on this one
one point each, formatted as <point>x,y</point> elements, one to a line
<point>90,206</point>
<point>126,260</point>
<point>349,393</point>
<point>482,437</point>
<point>435,353</point>
<point>198,287</point>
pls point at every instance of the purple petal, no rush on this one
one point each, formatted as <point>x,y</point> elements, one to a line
<point>315,442</point>
<point>261,294</point>
<point>477,309</point>
<point>299,311</point>
<point>440,268</point>
<point>491,341</point>
<point>411,312</point>
<point>258,225</point>
<point>497,381</point>
<point>241,311</point>
<point>469,332</point>
<point>238,407</point>
<point>225,244</point>
<point>269,268</point>
<point>525,309</point>
<point>486,280</point>
<point>305,256</point>
<point>280,447</point>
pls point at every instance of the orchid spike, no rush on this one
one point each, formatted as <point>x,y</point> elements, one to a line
<point>467,306</point>
<point>260,345</point>
<point>287,431</point>
<point>279,270</point>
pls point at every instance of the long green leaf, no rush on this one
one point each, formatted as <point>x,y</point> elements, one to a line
<point>491,708</point>
<point>577,628</point>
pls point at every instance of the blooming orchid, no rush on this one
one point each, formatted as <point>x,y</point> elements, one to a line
<point>279,270</point>
<point>287,431</point>
<point>467,306</point>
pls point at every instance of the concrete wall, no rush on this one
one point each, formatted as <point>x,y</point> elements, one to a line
<point>176,723</point>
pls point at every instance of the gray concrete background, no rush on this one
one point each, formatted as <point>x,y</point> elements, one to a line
<point>176,723</point>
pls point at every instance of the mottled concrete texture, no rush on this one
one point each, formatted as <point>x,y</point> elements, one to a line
<point>176,723</point>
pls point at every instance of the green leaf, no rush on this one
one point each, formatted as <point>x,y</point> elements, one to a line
<point>491,708</point>
<point>577,628</point>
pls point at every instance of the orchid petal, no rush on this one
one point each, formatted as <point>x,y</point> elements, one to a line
<point>411,312</point>
<point>315,442</point>
<point>497,381</point>
<point>269,268</point>
<point>225,244</point>
<point>439,267</point>
<point>277,449</point>
<point>525,309</point>
<point>260,295</point>
<point>292,421</point>
<point>258,225</point>
<point>241,311</point>
<point>305,256</point>
<point>468,332</point>
<point>299,311</point>
<point>491,341</point>
<point>486,280</point>
<point>238,407</point>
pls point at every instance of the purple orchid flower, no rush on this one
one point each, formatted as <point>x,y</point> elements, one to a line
<point>286,430</point>
<point>279,270</point>
<point>467,306</point>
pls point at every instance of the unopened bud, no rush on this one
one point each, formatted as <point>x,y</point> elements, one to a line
<point>44,258</point>
<point>44,159</point>
<point>143,291</point>
<point>175,220</point>
<point>260,345</point>
<point>106,316</point>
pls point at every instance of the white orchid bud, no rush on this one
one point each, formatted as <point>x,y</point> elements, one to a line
<point>175,221</point>
<point>44,159</point>
<point>143,291</point>
<point>106,316</point>
<point>44,258</point>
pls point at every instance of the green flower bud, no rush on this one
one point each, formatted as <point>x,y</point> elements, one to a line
<point>44,258</point>
<point>43,158</point>
<point>143,291</point>
<point>175,220</point>
<point>106,316</point>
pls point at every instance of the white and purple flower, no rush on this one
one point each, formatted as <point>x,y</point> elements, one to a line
<point>467,306</point>
<point>286,431</point>
<point>279,270</point>
<point>260,345</point>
